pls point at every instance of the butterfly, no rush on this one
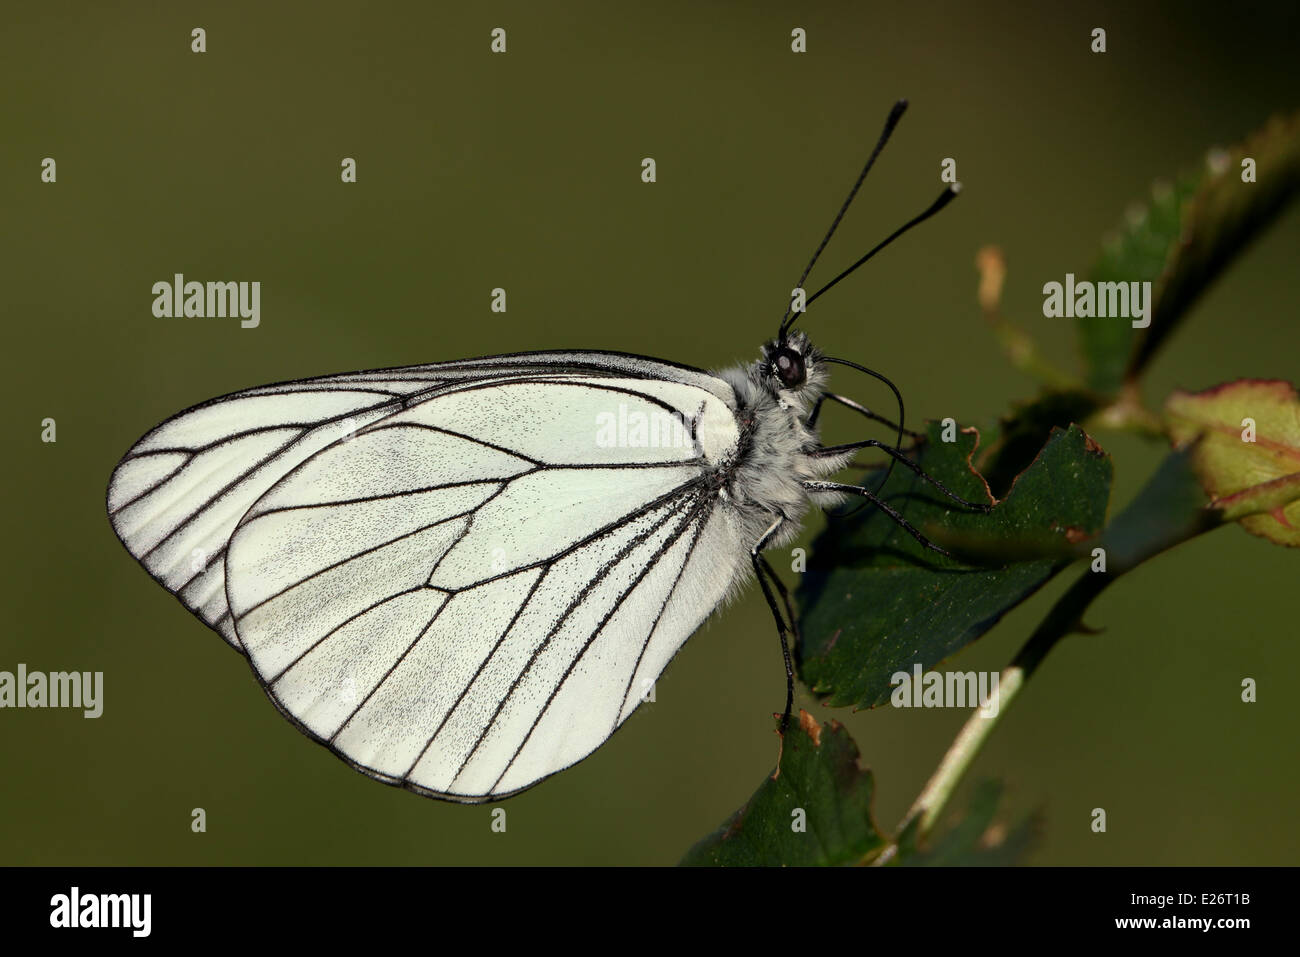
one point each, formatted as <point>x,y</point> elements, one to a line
<point>463,577</point>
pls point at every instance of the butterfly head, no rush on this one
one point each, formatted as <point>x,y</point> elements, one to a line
<point>792,365</point>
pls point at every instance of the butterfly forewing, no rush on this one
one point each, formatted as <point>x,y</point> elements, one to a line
<point>176,496</point>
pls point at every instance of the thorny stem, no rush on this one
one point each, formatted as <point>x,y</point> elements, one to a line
<point>1064,618</point>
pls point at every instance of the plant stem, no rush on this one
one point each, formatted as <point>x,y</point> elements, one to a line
<point>1064,618</point>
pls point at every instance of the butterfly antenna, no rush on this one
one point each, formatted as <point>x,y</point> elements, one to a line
<point>946,197</point>
<point>895,114</point>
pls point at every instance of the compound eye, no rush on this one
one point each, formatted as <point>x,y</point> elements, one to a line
<point>788,366</point>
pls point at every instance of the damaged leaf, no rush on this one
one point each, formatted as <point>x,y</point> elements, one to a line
<point>815,809</point>
<point>875,602</point>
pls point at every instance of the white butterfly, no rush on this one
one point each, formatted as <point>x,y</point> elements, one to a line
<point>448,574</point>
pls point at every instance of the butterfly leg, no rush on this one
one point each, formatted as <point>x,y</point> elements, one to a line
<point>856,407</point>
<point>898,519</point>
<point>761,570</point>
<point>902,460</point>
<point>786,603</point>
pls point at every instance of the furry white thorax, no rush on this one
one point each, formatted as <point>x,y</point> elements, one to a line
<point>773,458</point>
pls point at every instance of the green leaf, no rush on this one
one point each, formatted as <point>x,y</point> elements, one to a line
<point>1246,452</point>
<point>1021,434</point>
<point>1185,236</point>
<point>1137,253</point>
<point>814,809</point>
<point>977,840</point>
<point>876,603</point>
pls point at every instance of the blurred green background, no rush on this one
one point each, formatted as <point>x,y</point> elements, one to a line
<point>523,171</point>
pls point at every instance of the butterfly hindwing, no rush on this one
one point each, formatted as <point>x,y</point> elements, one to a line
<point>473,593</point>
